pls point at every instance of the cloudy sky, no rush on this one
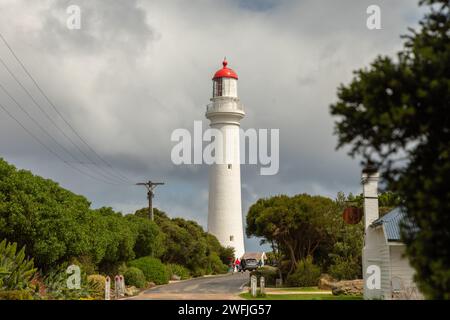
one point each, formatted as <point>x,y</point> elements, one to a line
<point>137,70</point>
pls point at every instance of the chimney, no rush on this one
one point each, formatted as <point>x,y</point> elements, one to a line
<point>369,181</point>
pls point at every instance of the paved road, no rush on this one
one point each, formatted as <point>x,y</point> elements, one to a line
<point>221,287</point>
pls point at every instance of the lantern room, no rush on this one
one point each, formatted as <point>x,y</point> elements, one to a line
<point>225,82</point>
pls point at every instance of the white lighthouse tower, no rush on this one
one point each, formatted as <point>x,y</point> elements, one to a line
<point>224,209</point>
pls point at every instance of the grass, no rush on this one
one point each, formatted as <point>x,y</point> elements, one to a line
<point>299,289</point>
<point>300,297</point>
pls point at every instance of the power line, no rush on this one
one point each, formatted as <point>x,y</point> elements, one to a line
<point>49,149</point>
<point>46,132</point>
<point>114,173</point>
<point>49,117</point>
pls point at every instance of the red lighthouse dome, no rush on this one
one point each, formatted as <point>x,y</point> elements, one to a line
<point>225,72</point>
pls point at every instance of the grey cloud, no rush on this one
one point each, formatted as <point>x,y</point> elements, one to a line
<point>105,25</point>
<point>137,70</point>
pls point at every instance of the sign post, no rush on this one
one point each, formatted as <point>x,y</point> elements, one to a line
<point>253,285</point>
<point>262,284</point>
<point>108,288</point>
<point>117,287</point>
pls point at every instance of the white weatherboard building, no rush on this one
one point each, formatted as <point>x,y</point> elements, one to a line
<point>224,208</point>
<point>384,249</point>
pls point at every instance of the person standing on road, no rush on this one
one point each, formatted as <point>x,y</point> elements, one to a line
<point>237,264</point>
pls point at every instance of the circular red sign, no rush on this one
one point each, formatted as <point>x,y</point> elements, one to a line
<point>352,215</point>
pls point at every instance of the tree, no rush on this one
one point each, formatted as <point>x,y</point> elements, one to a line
<point>187,244</point>
<point>396,115</point>
<point>40,214</point>
<point>57,225</point>
<point>298,225</point>
<point>344,251</point>
<point>149,237</point>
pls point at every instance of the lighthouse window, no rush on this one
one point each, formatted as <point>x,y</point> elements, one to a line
<point>218,84</point>
<point>229,166</point>
<point>231,238</point>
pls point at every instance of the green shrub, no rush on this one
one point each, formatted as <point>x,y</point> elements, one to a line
<point>307,274</point>
<point>269,273</point>
<point>215,264</point>
<point>55,282</point>
<point>154,270</point>
<point>16,295</point>
<point>134,277</point>
<point>121,269</point>
<point>345,268</point>
<point>16,271</point>
<point>178,270</point>
<point>198,272</point>
<point>85,263</point>
<point>96,284</point>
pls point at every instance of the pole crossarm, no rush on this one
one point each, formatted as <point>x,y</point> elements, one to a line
<point>150,194</point>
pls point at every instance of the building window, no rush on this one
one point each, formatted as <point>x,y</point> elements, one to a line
<point>218,87</point>
<point>229,166</point>
<point>231,238</point>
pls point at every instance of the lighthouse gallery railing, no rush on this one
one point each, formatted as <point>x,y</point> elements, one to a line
<point>226,105</point>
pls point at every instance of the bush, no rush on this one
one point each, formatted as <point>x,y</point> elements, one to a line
<point>85,263</point>
<point>134,277</point>
<point>215,264</point>
<point>55,282</point>
<point>16,295</point>
<point>96,285</point>
<point>307,274</point>
<point>178,270</point>
<point>345,269</point>
<point>154,270</point>
<point>121,269</point>
<point>269,273</point>
<point>198,272</point>
<point>16,271</point>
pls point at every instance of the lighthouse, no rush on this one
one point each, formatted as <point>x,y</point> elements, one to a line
<point>224,208</point>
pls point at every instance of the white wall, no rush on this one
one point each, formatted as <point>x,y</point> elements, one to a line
<point>402,274</point>
<point>375,252</point>
<point>225,207</point>
<point>373,238</point>
<point>225,210</point>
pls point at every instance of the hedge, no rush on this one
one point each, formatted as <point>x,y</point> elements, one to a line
<point>154,270</point>
<point>269,273</point>
<point>134,277</point>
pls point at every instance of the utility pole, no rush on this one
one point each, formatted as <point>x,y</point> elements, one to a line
<point>150,194</point>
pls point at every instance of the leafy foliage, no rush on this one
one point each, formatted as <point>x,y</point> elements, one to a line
<point>154,270</point>
<point>134,277</point>
<point>306,274</point>
<point>16,295</point>
<point>342,255</point>
<point>345,268</point>
<point>149,238</point>
<point>16,271</point>
<point>304,225</point>
<point>58,225</point>
<point>395,114</point>
<point>178,270</point>
<point>215,265</point>
<point>96,283</point>
<point>269,273</point>
<point>187,244</point>
<point>55,283</point>
<point>298,225</point>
